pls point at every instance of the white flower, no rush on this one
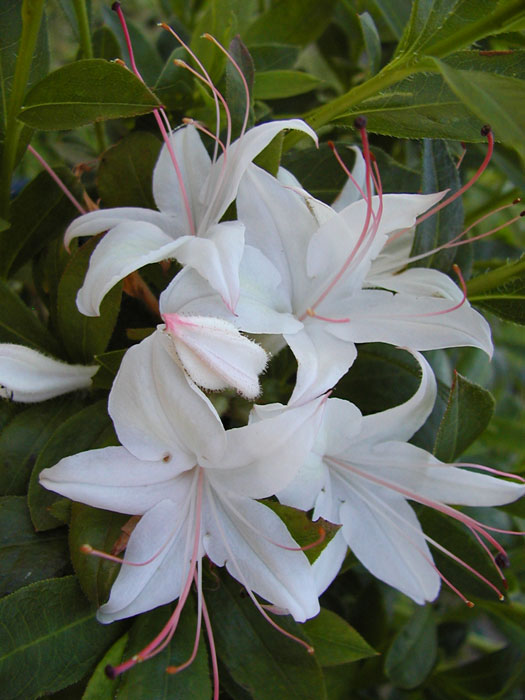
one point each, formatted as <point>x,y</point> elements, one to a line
<point>193,483</point>
<point>362,473</point>
<point>187,224</point>
<point>28,376</point>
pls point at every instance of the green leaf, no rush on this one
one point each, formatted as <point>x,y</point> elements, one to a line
<point>27,556</point>
<point>276,84</point>
<point>10,29</point>
<point>86,91</point>
<point>425,106</point>
<point>19,325</point>
<point>273,56</point>
<point>49,638</point>
<point>501,291</point>
<point>297,22</point>
<point>372,42</point>
<point>266,664</point>
<point>335,641</point>
<point>39,214</point>
<point>84,336</point>
<point>396,14</point>
<point>439,173</point>
<point>496,99</point>
<point>101,529</point>
<point>109,363</point>
<point>174,86</point>
<point>105,44</point>
<point>413,652</point>
<point>150,680</point>
<point>87,429</point>
<point>235,90</point>
<point>469,410</point>
<point>24,436</point>
<point>100,687</point>
<point>126,170</point>
<point>509,617</point>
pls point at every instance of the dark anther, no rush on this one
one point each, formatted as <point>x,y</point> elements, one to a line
<point>502,560</point>
<point>360,122</point>
<point>115,7</point>
<point>110,670</point>
<point>485,130</point>
<point>517,200</point>
<point>522,213</point>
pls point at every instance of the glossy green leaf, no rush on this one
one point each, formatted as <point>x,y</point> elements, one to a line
<point>39,214</point>
<point>24,436</point>
<point>266,664</point>
<point>109,365</point>
<point>413,652</point>
<point>86,91</point>
<point>276,84</point>
<point>84,336</point>
<point>19,325</point>
<point>501,291</point>
<point>496,99</point>
<point>291,22</point>
<point>439,174</point>
<point>87,429</point>
<point>126,170</point>
<point>469,410</point>
<point>150,680</point>
<point>335,641</point>
<point>25,555</point>
<point>395,13</point>
<point>49,638</point>
<point>99,686</point>
<point>221,19</point>
<point>273,56</point>
<point>10,29</point>
<point>372,42</point>
<point>101,529</point>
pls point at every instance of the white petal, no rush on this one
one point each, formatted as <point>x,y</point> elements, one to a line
<point>194,164</point>
<point>113,479</point>
<point>164,530</point>
<point>402,421</point>
<point>237,531</point>
<point>124,249</point>
<point>217,257</point>
<point>302,492</point>
<point>350,193</point>
<point>342,424</point>
<point>385,535</point>
<point>215,354</point>
<point>157,410</point>
<point>264,456</point>
<point>221,187</point>
<point>327,565</point>
<point>28,376</point>
<point>104,219</point>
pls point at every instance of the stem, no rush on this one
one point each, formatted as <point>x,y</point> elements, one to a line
<point>87,52</point>
<point>492,279</point>
<point>31,17</point>
<point>390,74</point>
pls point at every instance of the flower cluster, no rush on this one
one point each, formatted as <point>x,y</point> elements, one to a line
<point>288,270</point>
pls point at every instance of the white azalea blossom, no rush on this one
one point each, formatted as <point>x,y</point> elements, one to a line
<point>319,289</point>
<point>362,473</point>
<point>194,485</point>
<point>187,225</point>
<point>28,376</point>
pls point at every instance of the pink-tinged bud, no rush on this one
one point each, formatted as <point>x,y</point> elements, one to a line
<point>215,355</point>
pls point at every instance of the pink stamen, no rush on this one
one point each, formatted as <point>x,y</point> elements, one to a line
<point>213,650</point>
<point>88,549</point>
<point>490,556</point>
<point>347,172</point>
<point>241,74</point>
<point>491,470</point>
<point>204,130</point>
<point>313,314</point>
<point>157,114</point>
<point>460,159</point>
<point>172,670</point>
<point>208,81</point>
<point>58,181</point>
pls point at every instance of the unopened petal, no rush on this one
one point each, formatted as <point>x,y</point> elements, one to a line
<point>28,376</point>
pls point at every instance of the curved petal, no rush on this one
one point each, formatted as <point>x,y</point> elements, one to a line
<point>328,564</point>
<point>342,425</point>
<point>27,375</point>
<point>104,219</point>
<point>124,249</point>
<point>250,539</point>
<point>216,257</point>
<point>264,456</point>
<point>163,531</point>
<point>113,479</point>
<point>157,410</point>
<point>194,164</point>
<point>402,421</point>
<point>385,535</point>
<point>223,182</point>
<point>215,354</point>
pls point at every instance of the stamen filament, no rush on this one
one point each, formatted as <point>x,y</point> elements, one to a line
<point>347,172</point>
<point>213,650</point>
<point>58,181</point>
